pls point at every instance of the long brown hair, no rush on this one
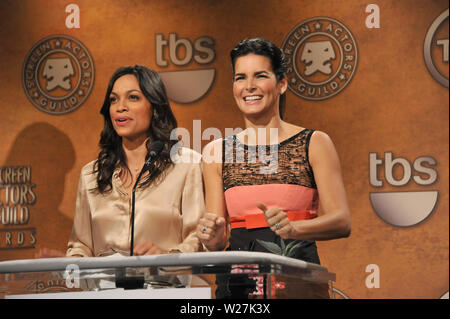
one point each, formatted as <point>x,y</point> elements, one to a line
<point>162,123</point>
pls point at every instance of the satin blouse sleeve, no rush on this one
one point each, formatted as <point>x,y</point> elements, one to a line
<point>80,240</point>
<point>192,209</point>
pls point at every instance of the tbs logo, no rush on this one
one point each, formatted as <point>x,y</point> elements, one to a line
<point>403,208</point>
<point>189,85</point>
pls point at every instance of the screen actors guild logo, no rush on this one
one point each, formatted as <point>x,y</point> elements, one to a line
<point>317,57</point>
<point>435,49</point>
<point>58,74</point>
<point>322,55</point>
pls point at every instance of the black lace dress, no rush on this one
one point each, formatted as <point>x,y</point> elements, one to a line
<point>279,176</point>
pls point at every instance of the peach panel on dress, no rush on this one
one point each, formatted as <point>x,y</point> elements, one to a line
<point>241,200</point>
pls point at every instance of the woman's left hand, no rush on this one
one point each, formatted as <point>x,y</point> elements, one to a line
<point>278,221</point>
<point>147,248</point>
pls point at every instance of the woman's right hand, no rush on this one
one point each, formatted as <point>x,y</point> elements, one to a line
<point>211,230</point>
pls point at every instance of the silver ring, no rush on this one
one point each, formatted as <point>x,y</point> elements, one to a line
<point>204,229</point>
<point>277,226</point>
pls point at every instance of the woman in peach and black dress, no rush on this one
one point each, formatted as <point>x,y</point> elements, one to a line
<point>265,182</point>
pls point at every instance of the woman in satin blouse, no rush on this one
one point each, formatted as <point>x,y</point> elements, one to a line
<point>169,197</point>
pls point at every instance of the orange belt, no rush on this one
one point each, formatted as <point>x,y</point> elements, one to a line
<point>259,221</point>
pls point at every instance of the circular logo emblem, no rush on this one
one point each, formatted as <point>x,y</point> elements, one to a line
<point>322,56</point>
<point>435,49</point>
<point>58,74</point>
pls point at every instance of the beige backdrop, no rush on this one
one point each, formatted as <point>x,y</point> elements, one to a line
<point>392,104</point>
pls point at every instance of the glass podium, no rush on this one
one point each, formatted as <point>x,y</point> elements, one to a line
<point>201,275</point>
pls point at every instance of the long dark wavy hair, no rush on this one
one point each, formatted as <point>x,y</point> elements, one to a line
<point>162,123</point>
<point>261,46</point>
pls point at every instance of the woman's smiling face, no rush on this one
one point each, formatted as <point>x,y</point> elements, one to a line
<point>255,86</point>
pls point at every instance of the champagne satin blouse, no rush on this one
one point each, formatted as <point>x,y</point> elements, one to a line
<point>166,212</point>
